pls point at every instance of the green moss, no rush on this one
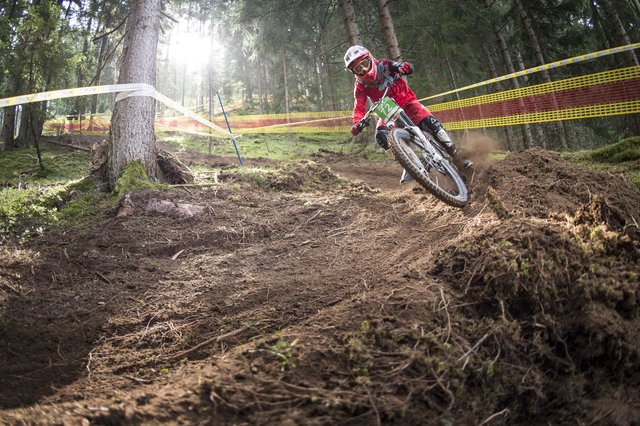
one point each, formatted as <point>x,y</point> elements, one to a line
<point>625,150</point>
<point>22,211</point>
<point>83,185</point>
<point>622,158</point>
<point>498,155</point>
<point>60,195</point>
<point>133,177</point>
<point>21,165</point>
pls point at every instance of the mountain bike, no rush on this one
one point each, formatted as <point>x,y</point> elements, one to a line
<point>424,158</point>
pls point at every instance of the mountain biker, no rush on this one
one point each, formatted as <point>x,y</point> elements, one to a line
<point>372,78</point>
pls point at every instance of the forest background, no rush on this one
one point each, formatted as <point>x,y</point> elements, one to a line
<point>285,56</point>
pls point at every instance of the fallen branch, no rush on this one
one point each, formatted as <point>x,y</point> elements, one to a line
<point>506,413</point>
<point>103,278</point>
<point>139,380</point>
<point>496,204</point>
<point>216,339</point>
<point>444,306</point>
<point>473,349</point>
<point>12,288</point>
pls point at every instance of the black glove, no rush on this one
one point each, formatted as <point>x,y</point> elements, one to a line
<point>357,128</point>
<point>402,68</point>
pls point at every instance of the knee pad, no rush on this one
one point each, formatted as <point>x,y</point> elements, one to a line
<point>382,137</point>
<point>430,124</point>
<point>433,126</point>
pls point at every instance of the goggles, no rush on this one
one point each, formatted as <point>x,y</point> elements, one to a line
<point>362,66</point>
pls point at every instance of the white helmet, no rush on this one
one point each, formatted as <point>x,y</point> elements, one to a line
<point>353,53</point>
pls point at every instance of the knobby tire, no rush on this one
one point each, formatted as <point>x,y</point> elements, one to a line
<point>401,146</point>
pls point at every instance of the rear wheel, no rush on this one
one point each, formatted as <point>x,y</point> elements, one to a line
<point>439,178</point>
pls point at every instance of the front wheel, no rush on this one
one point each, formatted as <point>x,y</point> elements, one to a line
<point>439,178</point>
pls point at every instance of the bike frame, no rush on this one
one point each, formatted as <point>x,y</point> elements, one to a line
<point>390,112</point>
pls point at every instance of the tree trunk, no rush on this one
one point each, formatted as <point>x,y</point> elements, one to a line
<point>614,19</point>
<point>24,138</point>
<point>393,50</point>
<point>8,127</point>
<point>260,88</point>
<point>102,52</point>
<point>599,22</point>
<point>494,74</point>
<point>101,61</point>
<point>537,126</point>
<point>350,24</point>
<point>81,101</point>
<point>132,136</point>
<point>319,74</point>
<point>286,86</point>
<point>502,44</point>
<point>247,77</point>
<point>546,76</point>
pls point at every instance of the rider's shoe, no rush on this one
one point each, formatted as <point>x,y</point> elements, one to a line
<point>406,177</point>
<point>444,139</point>
<point>467,164</point>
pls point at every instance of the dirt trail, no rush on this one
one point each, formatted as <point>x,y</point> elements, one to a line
<point>331,294</point>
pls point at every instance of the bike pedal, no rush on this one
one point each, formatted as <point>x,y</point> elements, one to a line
<point>467,164</point>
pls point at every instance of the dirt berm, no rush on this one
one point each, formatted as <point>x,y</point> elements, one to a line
<point>327,293</point>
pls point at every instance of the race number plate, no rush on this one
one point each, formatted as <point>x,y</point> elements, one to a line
<point>387,109</point>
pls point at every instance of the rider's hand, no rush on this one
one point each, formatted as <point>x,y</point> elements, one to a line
<point>357,128</point>
<point>404,68</point>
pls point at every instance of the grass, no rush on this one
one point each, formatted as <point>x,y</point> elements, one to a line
<point>19,167</point>
<point>32,198</point>
<point>622,157</point>
<point>279,147</point>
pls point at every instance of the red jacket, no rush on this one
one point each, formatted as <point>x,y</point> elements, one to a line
<point>400,91</point>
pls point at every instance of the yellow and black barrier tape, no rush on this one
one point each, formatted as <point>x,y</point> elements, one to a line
<point>583,81</point>
<point>575,59</point>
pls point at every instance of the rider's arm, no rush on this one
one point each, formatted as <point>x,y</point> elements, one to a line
<point>359,104</point>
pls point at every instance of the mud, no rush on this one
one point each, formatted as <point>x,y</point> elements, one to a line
<point>326,293</point>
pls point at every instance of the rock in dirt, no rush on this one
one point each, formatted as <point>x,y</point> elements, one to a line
<point>173,209</point>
